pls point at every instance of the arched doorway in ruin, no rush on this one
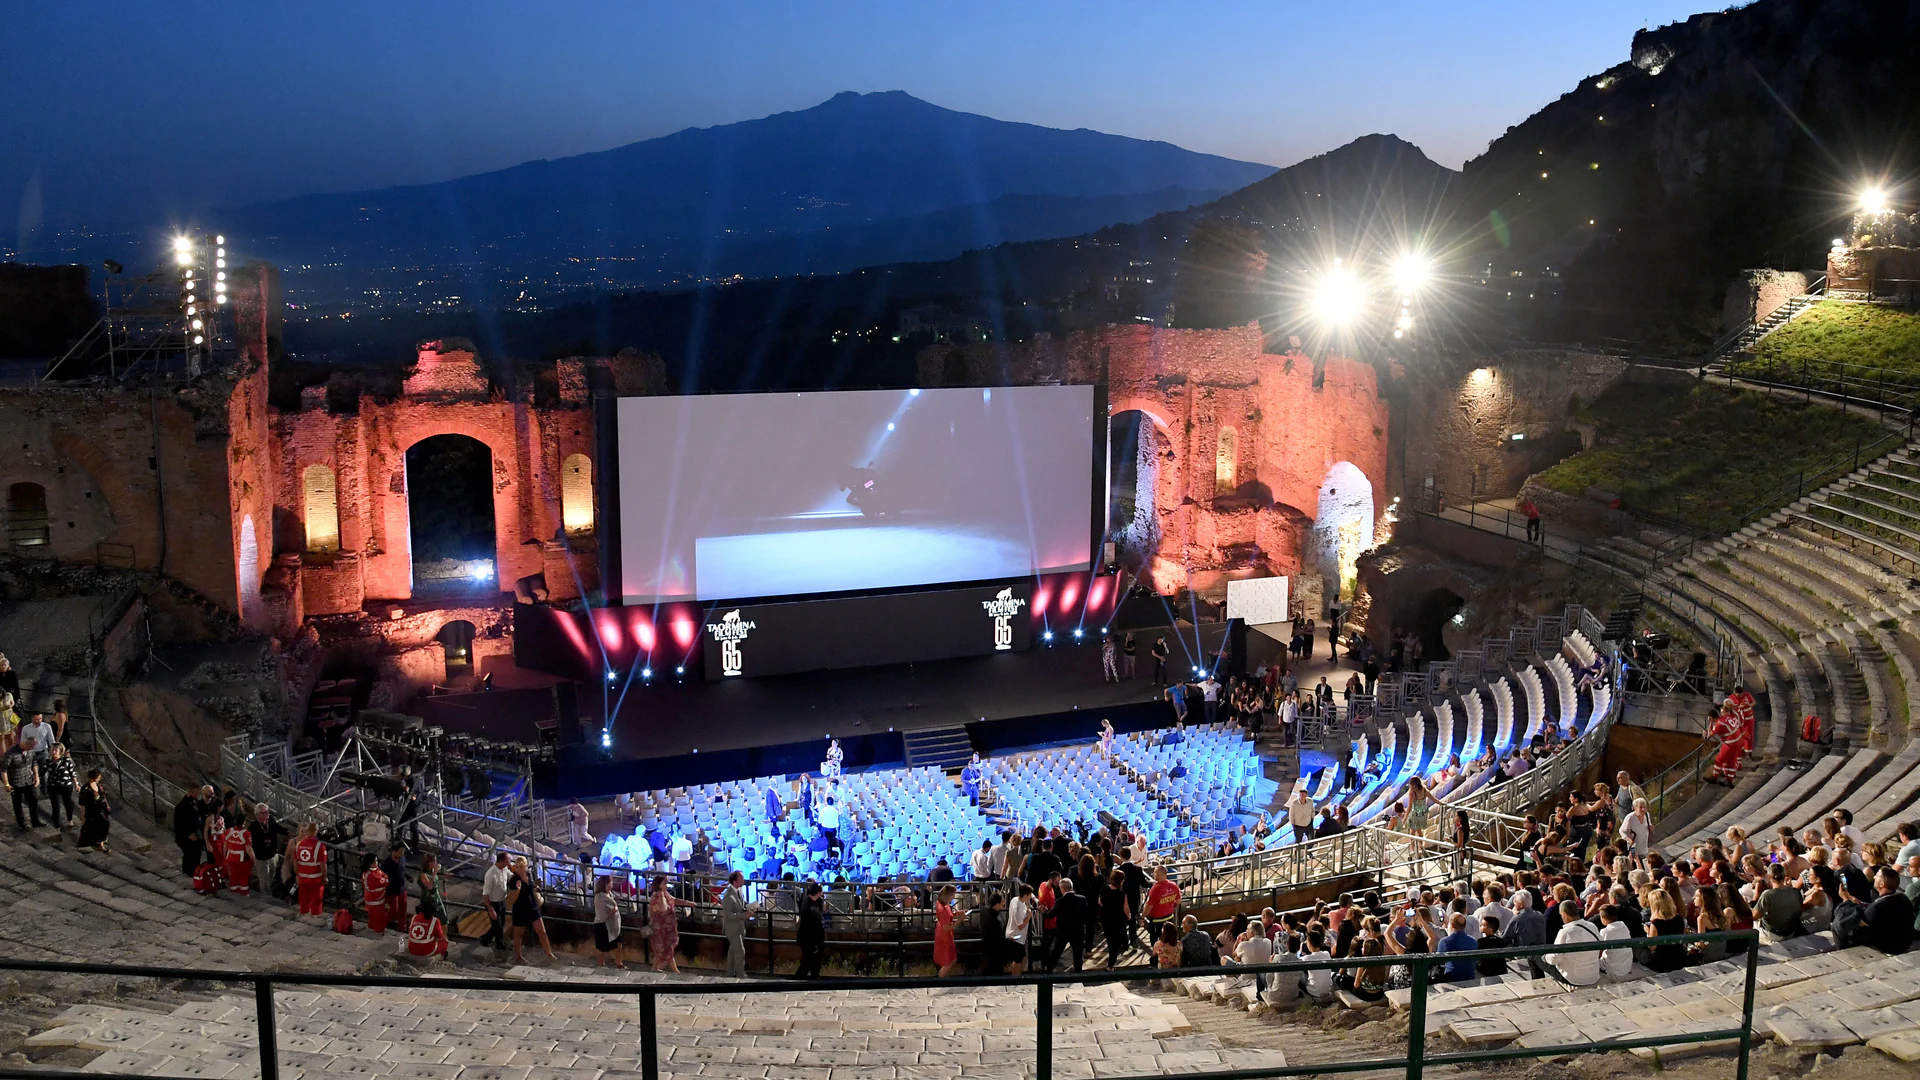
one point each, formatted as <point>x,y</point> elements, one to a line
<point>1137,446</point>
<point>1342,527</point>
<point>456,641</point>
<point>450,516</point>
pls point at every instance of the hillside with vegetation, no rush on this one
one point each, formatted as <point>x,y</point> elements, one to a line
<point>1880,340</point>
<point>1707,456</point>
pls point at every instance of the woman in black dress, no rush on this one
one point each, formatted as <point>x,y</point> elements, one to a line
<point>95,816</point>
<point>523,905</point>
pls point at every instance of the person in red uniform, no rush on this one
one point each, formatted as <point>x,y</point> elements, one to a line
<point>374,895</point>
<point>310,870</point>
<point>1732,735</point>
<point>426,936</point>
<point>236,849</point>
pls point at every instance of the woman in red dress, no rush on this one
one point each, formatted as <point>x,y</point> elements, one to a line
<point>946,955</point>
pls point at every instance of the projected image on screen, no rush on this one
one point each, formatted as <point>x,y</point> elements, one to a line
<point>764,495</point>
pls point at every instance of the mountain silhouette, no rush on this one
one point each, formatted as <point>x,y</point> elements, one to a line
<point>815,190</point>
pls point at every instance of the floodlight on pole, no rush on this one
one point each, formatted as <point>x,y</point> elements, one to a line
<point>1411,272</point>
<point>1339,297</point>
<point>1873,200</point>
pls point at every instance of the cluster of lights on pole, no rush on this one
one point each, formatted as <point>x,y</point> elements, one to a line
<point>196,269</point>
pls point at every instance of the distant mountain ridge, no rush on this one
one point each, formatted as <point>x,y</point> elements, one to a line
<point>690,203</point>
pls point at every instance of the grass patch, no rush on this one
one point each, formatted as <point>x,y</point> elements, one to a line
<point>1832,332</point>
<point>1704,455</point>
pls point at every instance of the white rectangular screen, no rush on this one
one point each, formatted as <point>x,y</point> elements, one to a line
<point>765,495</point>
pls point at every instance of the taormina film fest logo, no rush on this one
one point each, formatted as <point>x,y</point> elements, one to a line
<point>730,631</point>
<point>1001,609</point>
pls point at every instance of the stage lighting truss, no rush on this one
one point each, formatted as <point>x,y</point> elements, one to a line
<point>201,263</point>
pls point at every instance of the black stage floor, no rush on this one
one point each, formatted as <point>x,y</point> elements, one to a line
<point>667,717</point>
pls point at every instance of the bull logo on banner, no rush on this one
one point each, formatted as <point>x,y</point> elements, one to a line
<point>730,632</point>
<point>1002,609</point>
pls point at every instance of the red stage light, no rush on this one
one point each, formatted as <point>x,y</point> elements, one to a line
<point>1068,594</point>
<point>1097,593</point>
<point>610,633</point>
<point>641,627</point>
<point>1041,598</point>
<point>571,625</point>
<point>684,630</point>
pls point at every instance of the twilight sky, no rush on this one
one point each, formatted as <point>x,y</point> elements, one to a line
<point>137,112</point>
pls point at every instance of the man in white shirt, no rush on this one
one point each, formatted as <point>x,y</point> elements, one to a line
<point>1019,923</point>
<point>1210,695</point>
<point>1637,829</point>
<point>983,862</point>
<point>36,740</point>
<point>1842,815</point>
<point>830,823</point>
<point>1300,813</point>
<point>1495,908</point>
<point>493,890</point>
<point>1615,963</point>
<point>1574,968</point>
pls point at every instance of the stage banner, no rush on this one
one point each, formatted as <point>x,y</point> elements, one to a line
<point>866,631</point>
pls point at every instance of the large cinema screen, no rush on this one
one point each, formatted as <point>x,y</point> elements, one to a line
<point>790,494</point>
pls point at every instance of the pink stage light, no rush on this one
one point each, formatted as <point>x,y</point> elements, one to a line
<point>641,627</point>
<point>571,625</point>
<point>1097,593</point>
<point>1041,598</point>
<point>684,629</point>
<point>611,634</point>
<point>1068,594</point>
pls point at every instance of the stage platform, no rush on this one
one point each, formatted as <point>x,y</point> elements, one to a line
<point>667,718</point>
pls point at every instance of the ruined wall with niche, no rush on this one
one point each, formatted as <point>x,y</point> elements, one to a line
<point>1462,417</point>
<point>448,392</point>
<point>1235,507</point>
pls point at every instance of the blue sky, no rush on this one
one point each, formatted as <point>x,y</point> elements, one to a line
<point>129,111</point>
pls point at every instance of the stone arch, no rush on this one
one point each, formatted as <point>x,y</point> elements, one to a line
<point>1342,526</point>
<point>456,641</point>
<point>320,489</point>
<point>499,487</point>
<point>29,525</point>
<point>576,495</point>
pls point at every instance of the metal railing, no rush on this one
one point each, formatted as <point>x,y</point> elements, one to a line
<point>1673,786</point>
<point>1421,970</point>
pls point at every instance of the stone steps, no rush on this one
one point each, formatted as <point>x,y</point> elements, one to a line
<point>541,1033</point>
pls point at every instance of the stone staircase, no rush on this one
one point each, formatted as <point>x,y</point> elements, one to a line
<point>1819,597</point>
<point>543,1033</point>
<point>1747,338</point>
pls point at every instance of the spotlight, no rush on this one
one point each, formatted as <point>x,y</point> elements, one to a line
<point>606,738</point>
<point>199,340</point>
<point>182,258</point>
<point>196,324</point>
<point>182,244</point>
<point>1196,669</point>
<point>611,676</point>
<point>1048,636</point>
<point>1412,272</point>
<point>646,673</point>
<point>1873,200</point>
<point>220,239</point>
<point>1338,298</point>
<point>680,669</point>
<point>1076,632</point>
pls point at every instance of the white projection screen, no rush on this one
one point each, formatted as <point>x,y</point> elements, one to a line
<point>789,494</point>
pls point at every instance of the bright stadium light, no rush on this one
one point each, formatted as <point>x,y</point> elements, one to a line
<point>1412,272</point>
<point>182,243</point>
<point>1338,298</point>
<point>1873,199</point>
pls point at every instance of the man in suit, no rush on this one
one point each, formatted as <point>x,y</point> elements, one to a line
<point>1070,913</point>
<point>733,923</point>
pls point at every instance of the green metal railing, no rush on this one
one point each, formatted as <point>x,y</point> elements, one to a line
<point>646,996</point>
